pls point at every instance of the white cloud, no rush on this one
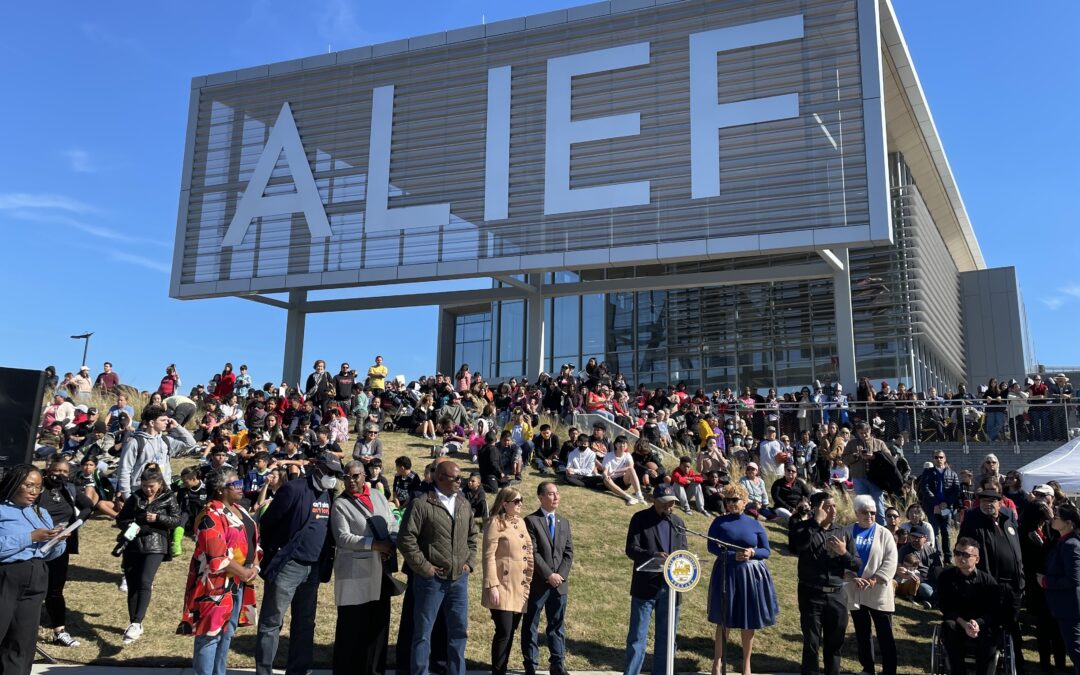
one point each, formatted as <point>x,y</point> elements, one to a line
<point>1053,303</point>
<point>10,201</point>
<point>79,161</point>
<point>1072,290</point>
<point>337,24</point>
<point>142,261</point>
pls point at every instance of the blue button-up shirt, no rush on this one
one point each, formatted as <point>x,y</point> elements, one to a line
<point>16,524</point>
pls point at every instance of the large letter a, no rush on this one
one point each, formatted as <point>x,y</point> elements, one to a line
<point>283,137</point>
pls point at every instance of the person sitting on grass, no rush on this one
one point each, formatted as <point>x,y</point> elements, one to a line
<point>582,466</point>
<point>619,476</point>
<point>647,465</point>
<point>927,568</point>
<point>711,457</point>
<point>687,483</point>
<point>473,490</point>
<point>492,474</point>
<point>376,479</point>
<point>788,491</point>
<point>758,493</point>
<point>97,487</point>
<point>546,451</point>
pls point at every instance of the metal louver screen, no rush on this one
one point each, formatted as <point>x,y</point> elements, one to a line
<point>794,183</point>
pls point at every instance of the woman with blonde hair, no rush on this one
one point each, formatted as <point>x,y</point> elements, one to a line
<point>508,567</point>
<point>424,417</point>
<point>746,599</point>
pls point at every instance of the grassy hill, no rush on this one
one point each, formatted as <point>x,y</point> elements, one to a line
<point>597,615</point>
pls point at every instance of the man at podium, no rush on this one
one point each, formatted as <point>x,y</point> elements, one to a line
<point>652,535</point>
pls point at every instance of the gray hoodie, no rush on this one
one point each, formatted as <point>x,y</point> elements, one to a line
<point>155,449</point>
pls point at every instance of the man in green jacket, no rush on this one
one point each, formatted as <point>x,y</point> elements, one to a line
<point>438,539</point>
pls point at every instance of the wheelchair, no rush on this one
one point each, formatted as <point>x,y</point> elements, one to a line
<point>1003,661</point>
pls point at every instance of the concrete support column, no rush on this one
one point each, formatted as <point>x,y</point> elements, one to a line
<point>845,325</point>
<point>534,330</point>
<point>294,337</point>
<point>446,343</point>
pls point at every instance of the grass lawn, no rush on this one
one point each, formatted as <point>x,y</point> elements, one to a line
<point>597,615</point>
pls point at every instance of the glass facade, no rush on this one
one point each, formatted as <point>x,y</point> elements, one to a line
<point>773,334</point>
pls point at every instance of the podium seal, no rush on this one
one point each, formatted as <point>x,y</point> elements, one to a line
<point>682,571</point>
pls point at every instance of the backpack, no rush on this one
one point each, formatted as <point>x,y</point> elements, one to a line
<point>883,472</point>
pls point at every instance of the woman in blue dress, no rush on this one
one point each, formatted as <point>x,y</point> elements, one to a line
<point>750,601</point>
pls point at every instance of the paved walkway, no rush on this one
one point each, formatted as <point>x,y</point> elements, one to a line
<point>63,669</point>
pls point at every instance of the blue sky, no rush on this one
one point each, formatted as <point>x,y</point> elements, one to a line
<point>93,131</point>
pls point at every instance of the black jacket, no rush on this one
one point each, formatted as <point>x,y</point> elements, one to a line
<point>153,537</point>
<point>999,547</point>
<point>1063,579</point>
<point>818,567</point>
<point>548,556</point>
<point>65,505</point>
<point>490,460</point>
<point>643,543</point>
<point>974,598</point>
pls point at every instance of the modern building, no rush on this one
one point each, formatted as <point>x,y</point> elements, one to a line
<point>720,192</point>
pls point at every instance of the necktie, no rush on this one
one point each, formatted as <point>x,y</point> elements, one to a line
<point>551,526</point>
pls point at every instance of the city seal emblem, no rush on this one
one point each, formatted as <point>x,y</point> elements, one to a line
<point>682,571</point>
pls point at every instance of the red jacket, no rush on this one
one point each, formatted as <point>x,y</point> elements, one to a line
<point>687,478</point>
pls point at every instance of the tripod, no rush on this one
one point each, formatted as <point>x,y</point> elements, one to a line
<point>726,546</point>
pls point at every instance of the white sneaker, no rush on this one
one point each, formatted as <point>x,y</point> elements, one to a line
<point>123,584</point>
<point>630,501</point>
<point>640,497</point>
<point>133,633</point>
<point>65,639</point>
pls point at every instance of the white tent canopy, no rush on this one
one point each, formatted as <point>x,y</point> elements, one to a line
<point>1062,465</point>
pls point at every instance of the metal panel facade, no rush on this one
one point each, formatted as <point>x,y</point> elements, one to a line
<point>693,129</point>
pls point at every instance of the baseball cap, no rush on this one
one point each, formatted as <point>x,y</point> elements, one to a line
<point>919,531</point>
<point>329,463</point>
<point>664,493</point>
<point>752,465</point>
<point>1044,490</point>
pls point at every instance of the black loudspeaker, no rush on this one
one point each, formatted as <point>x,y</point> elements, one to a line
<point>21,395</point>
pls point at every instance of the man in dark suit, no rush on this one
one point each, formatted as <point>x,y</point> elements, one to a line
<point>652,535</point>
<point>553,554</point>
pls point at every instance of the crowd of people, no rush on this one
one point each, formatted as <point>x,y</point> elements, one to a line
<point>290,489</point>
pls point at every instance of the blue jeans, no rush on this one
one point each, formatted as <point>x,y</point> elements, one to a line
<point>641,611</point>
<point>995,422</point>
<point>863,486</point>
<point>296,586</point>
<point>211,652</point>
<point>554,605</point>
<point>431,595</point>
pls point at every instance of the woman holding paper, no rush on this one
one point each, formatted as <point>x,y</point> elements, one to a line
<point>65,505</point>
<point>24,529</point>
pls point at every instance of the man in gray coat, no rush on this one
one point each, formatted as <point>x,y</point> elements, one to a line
<point>438,539</point>
<point>553,554</point>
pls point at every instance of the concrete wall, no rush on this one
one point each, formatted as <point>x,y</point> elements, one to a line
<point>993,325</point>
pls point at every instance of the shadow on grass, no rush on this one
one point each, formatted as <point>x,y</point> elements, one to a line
<point>95,575</point>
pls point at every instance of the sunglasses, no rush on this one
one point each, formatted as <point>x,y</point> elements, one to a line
<point>355,476</point>
<point>730,500</point>
<point>939,456</point>
<point>870,512</point>
<point>517,500</point>
<point>454,479</point>
<point>238,484</point>
<point>892,515</point>
<point>963,555</point>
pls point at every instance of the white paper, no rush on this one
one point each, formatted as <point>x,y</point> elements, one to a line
<point>55,540</point>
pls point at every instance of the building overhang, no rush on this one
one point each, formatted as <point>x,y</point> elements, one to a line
<point>910,130</point>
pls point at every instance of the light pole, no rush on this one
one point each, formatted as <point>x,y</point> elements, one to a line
<point>86,344</point>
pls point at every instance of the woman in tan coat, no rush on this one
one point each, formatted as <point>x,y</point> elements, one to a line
<point>508,567</point>
<point>870,593</point>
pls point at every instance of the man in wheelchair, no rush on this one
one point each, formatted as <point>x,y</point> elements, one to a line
<point>971,602</point>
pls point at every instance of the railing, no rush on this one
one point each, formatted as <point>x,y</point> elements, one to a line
<point>970,422</point>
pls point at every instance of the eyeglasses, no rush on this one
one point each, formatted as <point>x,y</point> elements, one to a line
<point>730,500</point>
<point>963,555</point>
<point>454,479</point>
<point>238,484</point>
<point>892,515</point>
<point>870,512</point>
<point>939,456</point>
<point>30,487</point>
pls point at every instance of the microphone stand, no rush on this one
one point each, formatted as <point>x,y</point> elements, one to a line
<point>727,546</point>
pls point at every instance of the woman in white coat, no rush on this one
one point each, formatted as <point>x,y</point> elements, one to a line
<point>365,532</point>
<point>870,592</point>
